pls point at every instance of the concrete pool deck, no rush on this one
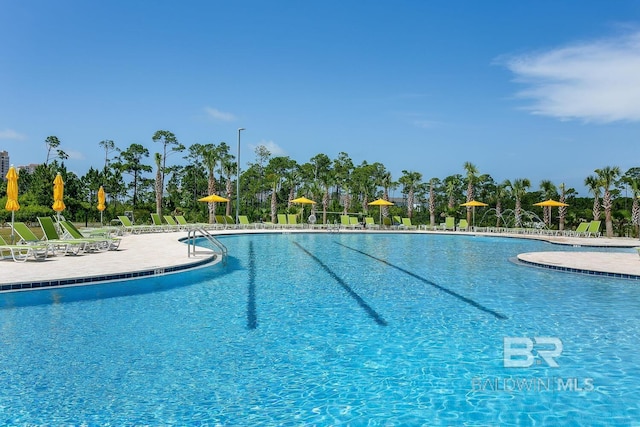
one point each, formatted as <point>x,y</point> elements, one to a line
<point>160,253</point>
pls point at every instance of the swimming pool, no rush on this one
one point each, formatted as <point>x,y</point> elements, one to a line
<point>317,329</point>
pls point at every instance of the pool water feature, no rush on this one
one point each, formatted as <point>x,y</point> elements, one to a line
<point>317,329</point>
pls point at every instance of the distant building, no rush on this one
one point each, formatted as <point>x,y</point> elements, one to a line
<point>29,168</point>
<point>4,164</point>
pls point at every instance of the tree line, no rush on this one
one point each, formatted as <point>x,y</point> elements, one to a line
<point>134,181</point>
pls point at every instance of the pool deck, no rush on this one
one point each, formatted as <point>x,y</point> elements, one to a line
<point>148,254</point>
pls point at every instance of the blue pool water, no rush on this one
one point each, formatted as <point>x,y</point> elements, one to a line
<point>342,329</point>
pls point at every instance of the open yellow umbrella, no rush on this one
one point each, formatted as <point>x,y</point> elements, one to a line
<point>58,194</point>
<point>213,198</point>
<point>381,203</point>
<point>101,199</point>
<point>550,204</point>
<point>473,204</point>
<point>303,201</point>
<point>12,197</point>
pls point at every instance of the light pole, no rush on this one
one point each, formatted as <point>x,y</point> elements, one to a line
<point>238,178</point>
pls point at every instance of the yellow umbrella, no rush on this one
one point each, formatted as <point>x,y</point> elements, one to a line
<point>381,203</point>
<point>12,197</point>
<point>550,203</point>
<point>213,198</point>
<point>101,198</point>
<point>303,201</point>
<point>473,204</point>
<point>58,194</point>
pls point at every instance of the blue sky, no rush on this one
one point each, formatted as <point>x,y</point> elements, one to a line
<point>541,90</point>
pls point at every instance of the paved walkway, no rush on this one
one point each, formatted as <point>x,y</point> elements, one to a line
<point>160,253</point>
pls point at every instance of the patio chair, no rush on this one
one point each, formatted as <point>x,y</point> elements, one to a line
<point>282,221</point>
<point>292,219</point>
<point>449,223</point>
<point>21,253</point>
<point>594,229</point>
<point>386,221</point>
<point>243,222</point>
<point>344,221</point>
<point>60,244</point>
<point>397,221</point>
<point>354,223</point>
<point>27,237</point>
<point>463,225</point>
<point>407,225</point>
<point>181,220</point>
<point>172,224</point>
<point>157,222</point>
<point>580,231</point>
<point>94,243</point>
<point>129,227</point>
<point>370,223</point>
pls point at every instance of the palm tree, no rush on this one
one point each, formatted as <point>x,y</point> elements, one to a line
<point>472,171</point>
<point>158,183</point>
<point>518,190</point>
<point>432,202</point>
<point>500,194</point>
<point>410,180</point>
<point>635,207</point>
<point>387,184</point>
<point>594,185</point>
<point>549,191</point>
<point>607,176</point>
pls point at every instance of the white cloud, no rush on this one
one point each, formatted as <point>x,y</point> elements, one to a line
<point>219,115</point>
<point>596,81</point>
<point>12,134</point>
<point>74,155</point>
<point>274,149</point>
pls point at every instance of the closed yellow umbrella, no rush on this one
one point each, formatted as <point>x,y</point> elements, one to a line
<point>12,197</point>
<point>101,205</point>
<point>58,194</point>
<point>213,198</point>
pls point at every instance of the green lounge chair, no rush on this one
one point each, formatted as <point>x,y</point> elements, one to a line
<point>182,221</point>
<point>21,253</point>
<point>354,223</point>
<point>386,221</point>
<point>243,222</point>
<point>463,225</point>
<point>292,219</point>
<point>97,243</point>
<point>172,224</point>
<point>407,225</point>
<point>66,246</point>
<point>344,221</point>
<point>449,223</point>
<point>594,229</point>
<point>580,231</point>
<point>370,223</point>
<point>282,221</point>
<point>231,222</point>
<point>158,224</point>
<point>27,237</point>
<point>129,227</point>
<point>397,221</point>
<point>221,221</point>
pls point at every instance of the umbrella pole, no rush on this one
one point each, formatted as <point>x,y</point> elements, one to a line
<point>13,236</point>
<point>101,223</point>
